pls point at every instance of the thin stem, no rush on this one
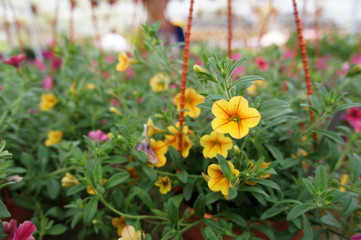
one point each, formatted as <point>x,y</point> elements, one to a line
<point>55,172</point>
<point>174,174</point>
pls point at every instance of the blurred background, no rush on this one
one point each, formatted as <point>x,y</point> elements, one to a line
<point>113,23</point>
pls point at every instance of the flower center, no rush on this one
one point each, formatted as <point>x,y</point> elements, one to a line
<point>235,119</point>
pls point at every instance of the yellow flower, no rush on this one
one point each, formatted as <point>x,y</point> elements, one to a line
<point>173,140</point>
<point>198,68</point>
<point>123,62</point>
<point>300,153</point>
<point>252,90</point>
<point>160,148</point>
<point>114,110</point>
<point>69,180</point>
<point>343,181</point>
<point>119,223</point>
<point>234,117</point>
<point>90,86</point>
<point>215,143</point>
<point>164,184</point>
<point>152,129</point>
<point>129,233</point>
<point>54,137</point>
<point>267,175</point>
<point>191,100</point>
<point>217,181</point>
<point>159,82</point>
<point>92,191</point>
<point>48,101</point>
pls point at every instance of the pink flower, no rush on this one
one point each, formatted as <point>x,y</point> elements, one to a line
<point>25,231</point>
<point>94,63</point>
<point>321,62</point>
<point>199,62</point>
<point>47,54</point>
<point>98,135</point>
<point>1,88</point>
<point>10,228</point>
<point>353,117</point>
<point>355,59</point>
<point>172,86</point>
<point>356,237</point>
<point>115,102</point>
<point>110,58</point>
<point>240,69</point>
<point>40,65</point>
<point>57,63</point>
<point>344,69</point>
<point>32,111</point>
<point>129,71</point>
<point>262,64</point>
<point>15,60</point>
<point>139,101</point>
<point>47,83</point>
<point>288,55</point>
<point>102,122</point>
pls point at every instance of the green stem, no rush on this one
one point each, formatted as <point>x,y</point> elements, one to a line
<point>351,189</point>
<point>344,153</point>
<point>174,174</point>
<point>314,125</point>
<point>55,172</point>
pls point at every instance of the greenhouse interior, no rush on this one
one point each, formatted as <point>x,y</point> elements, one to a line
<point>180,119</point>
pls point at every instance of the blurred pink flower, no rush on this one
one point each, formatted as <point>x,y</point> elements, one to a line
<point>355,59</point>
<point>240,69</point>
<point>140,100</point>
<point>261,63</point>
<point>9,229</point>
<point>288,55</point>
<point>47,83</point>
<point>102,122</point>
<point>353,117</point>
<point>94,63</point>
<point>172,86</point>
<point>25,231</point>
<point>115,102</point>
<point>111,58</point>
<point>98,135</point>
<point>129,71</point>
<point>1,88</point>
<point>32,111</point>
<point>344,69</point>
<point>40,65</point>
<point>321,63</point>
<point>199,62</point>
<point>47,54</point>
<point>57,63</point>
<point>356,237</point>
<point>15,60</point>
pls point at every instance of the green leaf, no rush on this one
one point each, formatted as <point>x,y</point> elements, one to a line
<point>299,210</point>
<point>224,166</point>
<point>320,179</point>
<point>76,218</point>
<point>346,106</point>
<point>4,213</point>
<point>209,234</point>
<point>235,218</point>
<point>275,152</point>
<point>172,211</point>
<point>183,176</point>
<point>232,193</point>
<point>254,189</point>
<point>212,97</point>
<point>246,79</point>
<point>76,189</point>
<point>309,186</point>
<point>213,197</point>
<point>307,229</point>
<point>143,195</point>
<point>90,210</point>
<point>350,205</point>
<point>141,156</point>
<point>53,188</point>
<point>271,212</point>
<point>330,220</point>
<point>331,135</point>
<point>266,230</point>
<point>199,206</point>
<point>57,229</point>
<point>116,179</point>
<point>188,190</point>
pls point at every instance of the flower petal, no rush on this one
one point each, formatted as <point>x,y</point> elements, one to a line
<point>250,117</point>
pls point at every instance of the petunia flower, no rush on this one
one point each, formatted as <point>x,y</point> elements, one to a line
<point>15,60</point>
<point>261,63</point>
<point>217,181</point>
<point>356,237</point>
<point>119,223</point>
<point>69,180</point>
<point>129,233</point>
<point>54,137</point>
<point>355,59</point>
<point>48,101</point>
<point>234,117</point>
<point>25,231</point>
<point>164,184</point>
<point>353,117</point>
<point>9,229</point>
<point>173,140</point>
<point>191,100</point>
<point>159,148</point>
<point>215,143</point>
<point>159,82</point>
<point>98,135</point>
<point>152,129</point>
<point>123,62</point>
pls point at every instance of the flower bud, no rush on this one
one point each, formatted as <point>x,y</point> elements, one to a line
<point>198,68</point>
<point>236,149</point>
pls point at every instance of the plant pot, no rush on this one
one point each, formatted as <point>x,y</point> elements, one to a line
<point>195,233</point>
<point>18,213</point>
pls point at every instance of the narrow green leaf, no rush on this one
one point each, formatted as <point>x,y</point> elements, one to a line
<point>199,206</point>
<point>90,210</point>
<point>320,179</point>
<point>232,193</point>
<point>350,205</point>
<point>331,135</point>
<point>172,211</point>
<point>307,229</point>
<point>299,210</point>
<point>309,186</point>
<point>4,213</point>
<point>57,229</point>
<point>116,179</point>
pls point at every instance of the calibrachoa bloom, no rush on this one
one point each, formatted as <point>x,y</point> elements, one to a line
<point>152,129</point>
<point>47,83</point>
<point>356,237</point>
<point>353,117</point>
<point>129,233</point>
<point>48,101</point>
<point>15,60</point>
<point>191,100</point>
<point>98,135</point>
<point>92,191</point>
<point>343,181</point>
<point>164,184</point>
<point>123,62</point>
<point>261,63</point>
<point>173,140</point>
<point>159,148</point>
<point>90,86</point>
<point>119,223</point>
<point>69,180</point>
<point>252,90</point>
<point>234,117</point>
<point>159,82</point>
<point>23,232</point>
<point>215,143</point>
<point>54,137</point>
<point>217,181</point>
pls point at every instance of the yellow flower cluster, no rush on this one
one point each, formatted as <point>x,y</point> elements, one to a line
<point>48,101</point>
<point>54,137</point>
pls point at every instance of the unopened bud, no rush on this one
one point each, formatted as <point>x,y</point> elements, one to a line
<point>94,221</point>
<point>198,68</point>
<point>236,149</point>
<point>158,115</point>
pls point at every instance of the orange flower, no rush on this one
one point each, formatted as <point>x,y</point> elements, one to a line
<point>215,143</point>
<point>123,62</point>
<point>217,181</point>
<point>191,100</point>
<point>234,117</point>
<point>160,148</point>
<point>119,223</point>
<point>173,140</point>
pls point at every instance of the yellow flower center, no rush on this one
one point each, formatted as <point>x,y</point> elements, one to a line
<point>235,119</point>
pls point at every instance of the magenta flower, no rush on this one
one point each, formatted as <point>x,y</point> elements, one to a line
<point>240,69</point>
<point>356,237</point>
<point>10,228</point>
<point>129,71</point>
<point>1,88</point>
<point>23,232</point>
<point>353,117</point>
<point>115,102</point>
<point>321,63</point>
<point>355,59</point>
<point>98,135</point>
<point>111,58</point>
<point>57,63</point>
<point>288,55</point>
<point>15,60</point>
<point>48,83</point>
<point>47,54</point>
<point>40,65</point>
<point>32,111</point>
<point>344,69</point>
<point>102,121</point>
<point>261,63</point>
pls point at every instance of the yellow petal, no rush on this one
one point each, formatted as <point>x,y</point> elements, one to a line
<point>220,109</point>
<point>250,117</point>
